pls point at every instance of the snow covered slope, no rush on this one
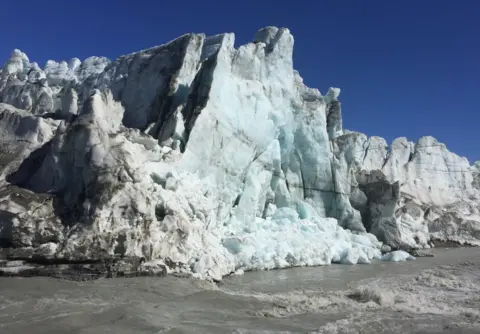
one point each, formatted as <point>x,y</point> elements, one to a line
<point>212,159</point>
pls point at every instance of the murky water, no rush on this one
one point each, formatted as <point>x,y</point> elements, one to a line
<point>429,295</point>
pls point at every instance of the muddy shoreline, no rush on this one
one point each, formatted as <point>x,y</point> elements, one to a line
<point>22,263</point>
<point>450,244</point>
<point>14,264</point>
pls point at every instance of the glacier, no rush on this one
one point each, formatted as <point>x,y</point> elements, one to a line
<point>212,160</point>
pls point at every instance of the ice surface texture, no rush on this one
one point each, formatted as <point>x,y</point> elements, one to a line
<point>213,159</point>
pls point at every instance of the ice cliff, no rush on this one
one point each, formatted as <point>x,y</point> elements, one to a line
<point>212,159</point>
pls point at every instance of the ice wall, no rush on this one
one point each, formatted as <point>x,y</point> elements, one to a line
<point>213,159</point>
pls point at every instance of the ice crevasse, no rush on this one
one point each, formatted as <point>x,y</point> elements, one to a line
<point>213,159</point>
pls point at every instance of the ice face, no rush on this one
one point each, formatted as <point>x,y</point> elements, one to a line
<point>214,160</point>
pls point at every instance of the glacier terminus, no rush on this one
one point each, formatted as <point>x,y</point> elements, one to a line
<point>201,158</point>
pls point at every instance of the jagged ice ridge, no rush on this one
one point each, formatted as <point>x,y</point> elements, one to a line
<point>213,159</point>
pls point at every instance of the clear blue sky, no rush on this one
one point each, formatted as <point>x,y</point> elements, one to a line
<point>406,68</point>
